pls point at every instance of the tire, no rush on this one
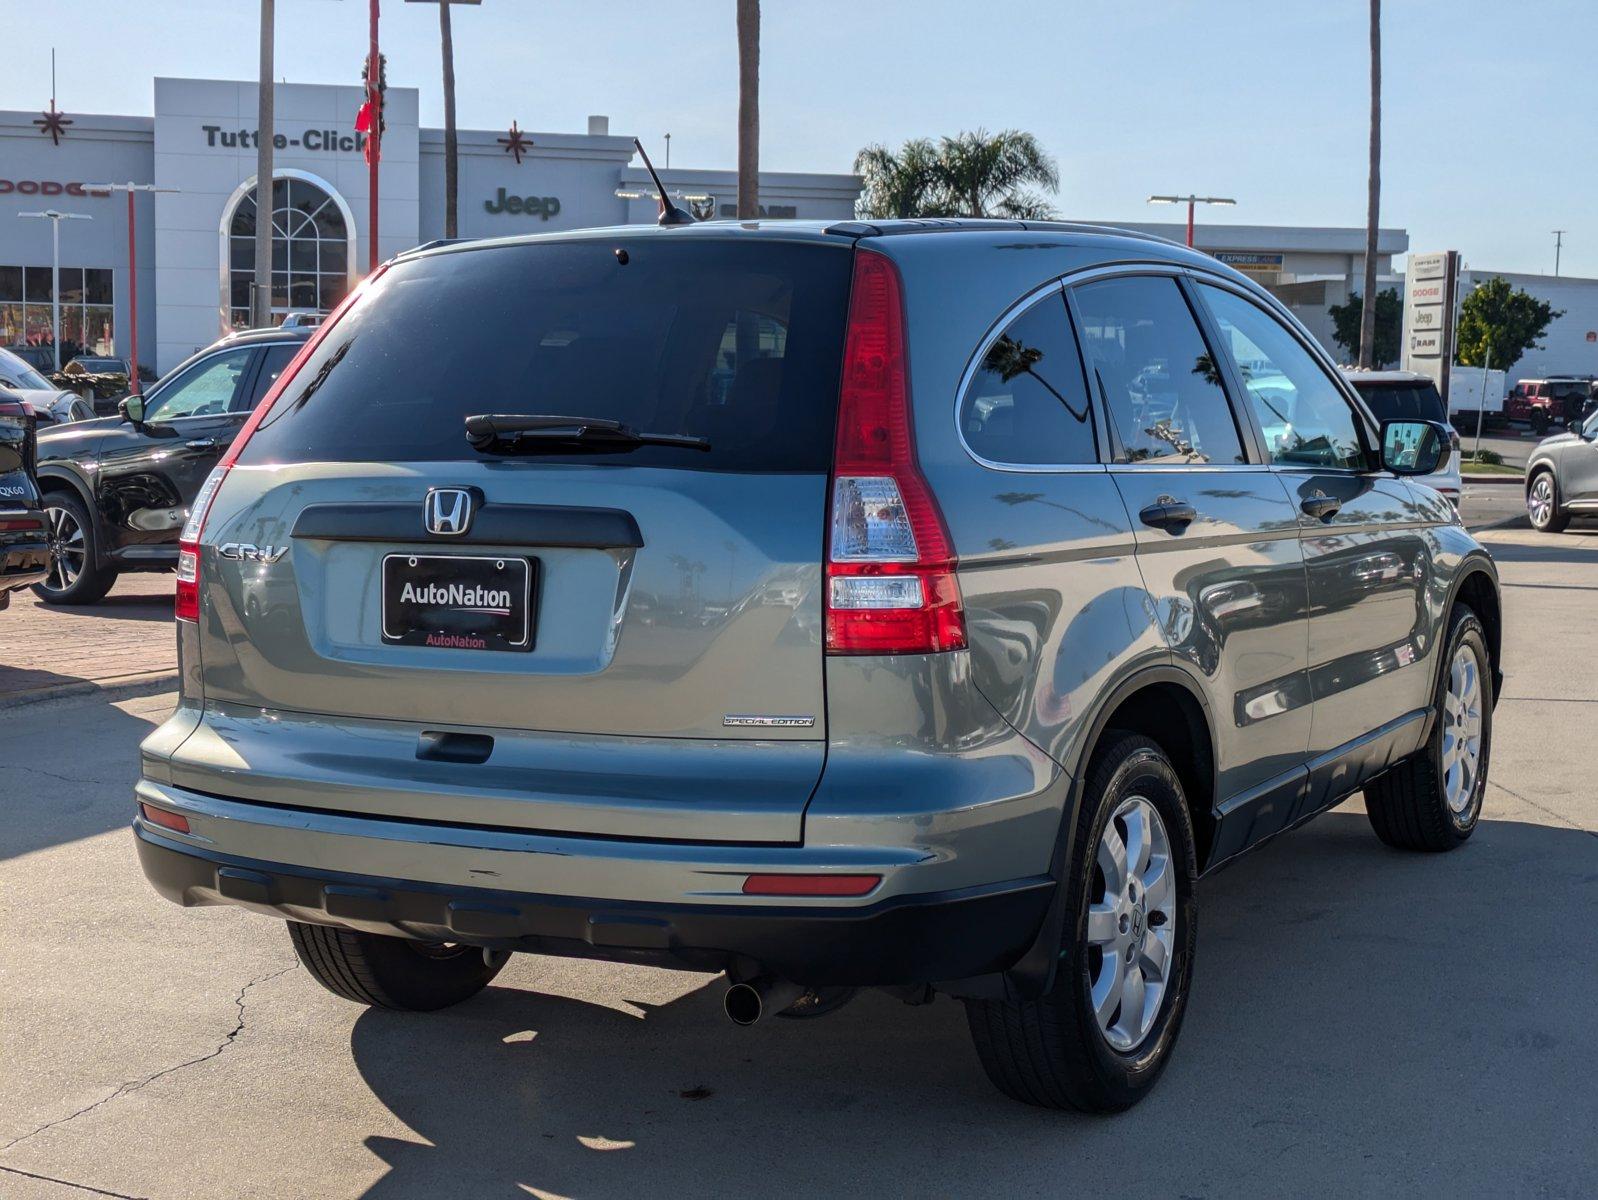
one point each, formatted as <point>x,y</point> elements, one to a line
<point>1053,1052</point>
<point>1539,421</point>
<point>1542,503</point>
<point>75,578</point>
<point>1418,805</point>
<point>391,972</point>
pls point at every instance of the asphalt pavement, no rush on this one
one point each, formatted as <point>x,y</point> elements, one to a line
<point>1363,1022</point>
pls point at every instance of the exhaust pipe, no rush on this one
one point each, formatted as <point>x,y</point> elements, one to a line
<point>747,1002</point>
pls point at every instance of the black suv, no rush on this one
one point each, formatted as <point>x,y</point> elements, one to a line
<point>24,550</point>
<point>117,490</point>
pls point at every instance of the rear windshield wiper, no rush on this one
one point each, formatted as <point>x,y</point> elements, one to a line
<point>536,433</point>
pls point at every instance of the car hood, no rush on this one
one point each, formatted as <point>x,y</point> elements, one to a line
<point>73,439</point>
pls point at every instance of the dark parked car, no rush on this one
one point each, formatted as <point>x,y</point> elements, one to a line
<point>118,489</point>
<point>914,604</point>
<point>24,542</point>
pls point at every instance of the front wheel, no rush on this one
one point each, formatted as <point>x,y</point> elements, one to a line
<point>391,972</point>
<point>1539,422</point>
<point>1542,504</point>
<point>1100,1039</point>
<point>1432,800</point>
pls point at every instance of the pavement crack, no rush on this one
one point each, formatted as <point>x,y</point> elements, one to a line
<point>55,776</point>
<point>133,1085</point>
<point>1560,817</point>
<point>82,1187</point>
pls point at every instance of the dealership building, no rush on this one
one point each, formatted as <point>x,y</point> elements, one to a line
<point>195,242</point>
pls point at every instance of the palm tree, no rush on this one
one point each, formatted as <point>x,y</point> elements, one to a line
<point>451,156</point>
<point>748,109</point>
<point>984,175</point>
<point>968,175</point>
<point>1367,316</point>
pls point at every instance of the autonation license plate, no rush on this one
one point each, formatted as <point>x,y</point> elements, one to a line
<point>458,602</point>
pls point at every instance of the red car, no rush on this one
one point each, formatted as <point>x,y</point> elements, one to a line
<point>1546,402</point>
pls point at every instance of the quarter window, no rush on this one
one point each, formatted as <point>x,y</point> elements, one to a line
<point>1028,404</point>
<point>1160,383</point>
<point>1305,418</point>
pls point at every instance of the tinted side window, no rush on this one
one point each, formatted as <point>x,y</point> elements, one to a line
<point>1159,381</point>
<point>1305,418</point>
<point>273,360</point>
<point>1028,403</point>
<point>205,389</point>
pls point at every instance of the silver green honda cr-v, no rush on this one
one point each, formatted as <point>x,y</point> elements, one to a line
<point>919,605</point>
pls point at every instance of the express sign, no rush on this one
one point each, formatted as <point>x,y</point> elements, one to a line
<point>43,187</point>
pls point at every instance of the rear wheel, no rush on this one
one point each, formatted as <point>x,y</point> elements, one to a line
<point>1101,1038</point>
<point>391,972</point>
<point>75,577</point>
<point>1542,504</point>
<point>1432,800</point>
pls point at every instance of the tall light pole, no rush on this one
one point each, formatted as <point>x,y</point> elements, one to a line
<point>55,218</point>
<point>261,288</point>
<point>133,272</point>
<point>1190,201</point>
<point>1559,244</point>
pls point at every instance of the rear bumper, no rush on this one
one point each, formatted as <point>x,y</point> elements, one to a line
<point>904,939</point>
<point>23,563</point>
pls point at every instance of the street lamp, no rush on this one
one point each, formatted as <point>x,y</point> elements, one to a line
<point>55,218</point>
<point>1190,201</point>
<point>133,273</point>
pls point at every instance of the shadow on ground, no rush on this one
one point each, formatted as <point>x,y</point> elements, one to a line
<point>1362,1018</point>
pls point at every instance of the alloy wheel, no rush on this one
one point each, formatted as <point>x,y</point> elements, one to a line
<point>1540,500</point>
<point>1131,934</point>
<point>1462,725</point>
<point>68,548</point>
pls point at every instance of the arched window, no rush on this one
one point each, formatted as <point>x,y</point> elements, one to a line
<point>312,250</point>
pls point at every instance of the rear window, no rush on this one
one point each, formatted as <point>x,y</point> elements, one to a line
<point>1402,401</point>
<point>736,342</point>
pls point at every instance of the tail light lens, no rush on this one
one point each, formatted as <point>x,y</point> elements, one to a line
<point>891,587</point>
<point>187,605</point>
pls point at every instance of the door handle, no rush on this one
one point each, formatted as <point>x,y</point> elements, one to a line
<point>1320,506</point>
<point>1169,513</point>
<point>203,444</point>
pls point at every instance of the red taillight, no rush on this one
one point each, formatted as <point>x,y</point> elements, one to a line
<point>17,524</point>
<point>160,816</point>
<point>13,408</point>
<point>186,606</point>
<point>891,587</point>
<point>810,885</point>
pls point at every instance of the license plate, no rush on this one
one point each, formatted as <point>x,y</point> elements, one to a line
<point>458,602</point>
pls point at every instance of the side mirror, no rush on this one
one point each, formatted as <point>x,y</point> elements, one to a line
<point>131,409</point>
<point>1415,447</point>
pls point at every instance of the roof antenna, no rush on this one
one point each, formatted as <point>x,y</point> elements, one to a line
<point>670,214</point>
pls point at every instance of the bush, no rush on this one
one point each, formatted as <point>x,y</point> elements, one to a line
<point>1487,458</point>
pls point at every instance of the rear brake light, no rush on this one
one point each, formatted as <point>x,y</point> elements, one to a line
<point>186,607</point>
<point>12,408</point>
<point>160,816</point>
<point>810,885</point>
<point>16,524</point>
<point>891,587</point>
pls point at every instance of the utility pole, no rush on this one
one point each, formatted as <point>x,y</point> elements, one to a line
<point>134,387</point>
<point>1190,201</point>
<point>748,22</point>
<point>374,97</point>
<point>261,287</point>
<point>55,218</point>
<point>1373,197</point>
<point>1559,244</point>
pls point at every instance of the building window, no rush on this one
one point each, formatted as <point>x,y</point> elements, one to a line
<point>310,252</point>
<point>86,314</point>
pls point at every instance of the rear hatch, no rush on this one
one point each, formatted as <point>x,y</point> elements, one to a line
<point>637,628</point>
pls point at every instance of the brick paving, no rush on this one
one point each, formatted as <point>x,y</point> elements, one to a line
<point>126,638</point>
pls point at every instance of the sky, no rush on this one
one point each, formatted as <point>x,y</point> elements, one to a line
<point>1488,139</point>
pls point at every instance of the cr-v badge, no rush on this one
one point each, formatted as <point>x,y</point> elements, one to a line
<point>248,553</point>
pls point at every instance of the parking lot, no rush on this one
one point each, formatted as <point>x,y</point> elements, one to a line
<point>1363,1022</point>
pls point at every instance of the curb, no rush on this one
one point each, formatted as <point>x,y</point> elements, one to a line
<point>1499,479</point>
<point>122,687</point>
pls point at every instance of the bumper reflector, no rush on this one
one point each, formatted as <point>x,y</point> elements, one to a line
<point>810,885</point>
<point>160,816</point>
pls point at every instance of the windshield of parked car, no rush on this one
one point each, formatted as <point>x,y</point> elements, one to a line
<point>738,342</point>
<point>1403,401</point>
<point>25,376</point>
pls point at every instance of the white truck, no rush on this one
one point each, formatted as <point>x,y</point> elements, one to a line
<point>1473,390</point>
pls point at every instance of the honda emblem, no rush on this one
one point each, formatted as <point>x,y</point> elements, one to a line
<point>448,511</point>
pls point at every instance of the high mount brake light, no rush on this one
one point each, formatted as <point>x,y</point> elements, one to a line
<point>891,587</point>
<point>186,607</point>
